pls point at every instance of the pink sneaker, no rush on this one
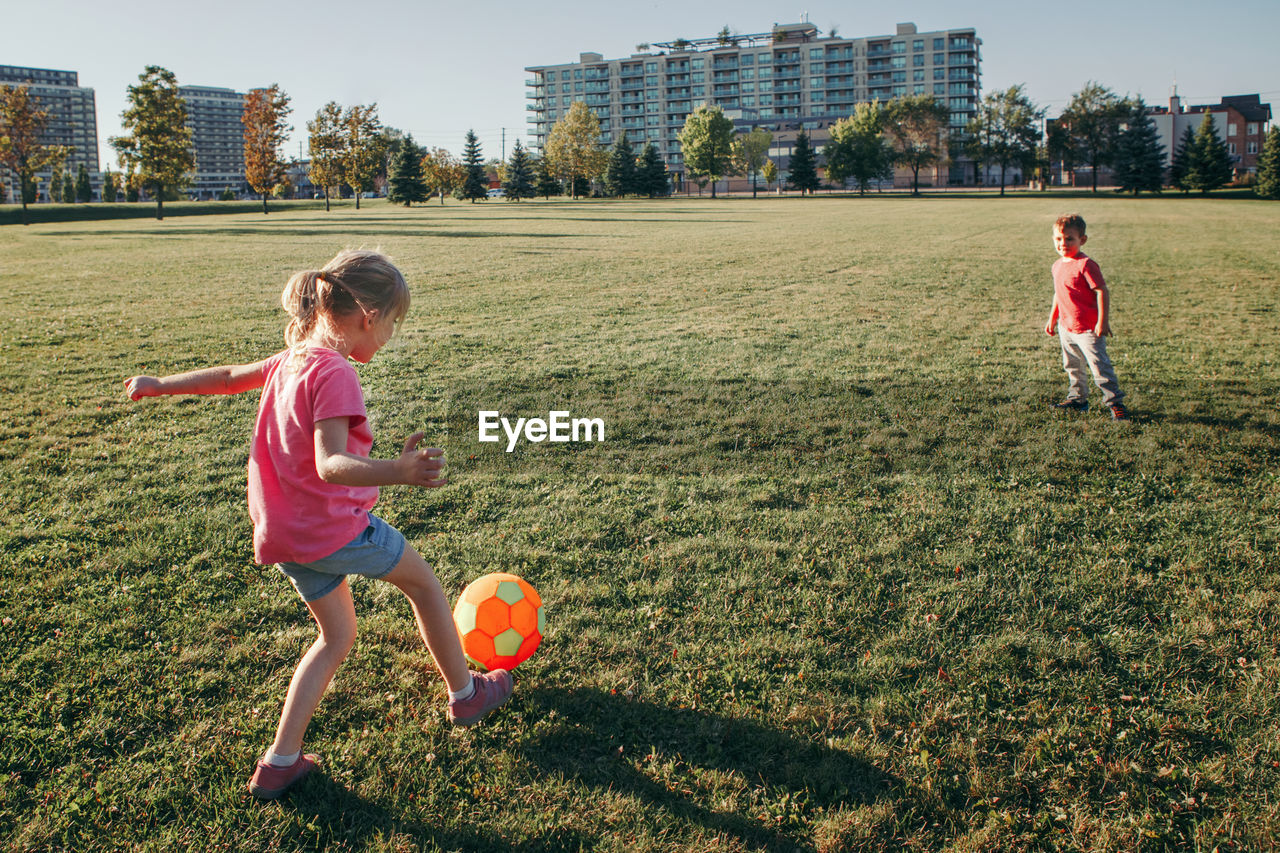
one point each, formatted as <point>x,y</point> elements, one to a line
<point>492,689</point>
<point>269,782</point>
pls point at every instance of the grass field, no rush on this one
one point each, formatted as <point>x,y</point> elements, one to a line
<point>837,579</point>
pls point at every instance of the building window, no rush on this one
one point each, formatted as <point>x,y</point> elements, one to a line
<point>899,91</point>
<point>816,52</point>
<point>651,68</point>
<point>939,74</point>
<point>748,87</point>
<point>764,58</point>
<point>898,62</point>
<point>918,89</point>
<point>899,47</point>
<point>1252,147</point>
<point>765,73</point>
<point>551,76</point>
<point>1232,129</point>
<point>698,64</point>
<point>1231,148</point>
<point>699,76</point>
<point>940,44</point>
<point>917,76</point>
<point>1251,129</point>
<point>577,87</point>
<point>917,45</point>
<point>577,74</point>
<point>815,82</point>
<point>747,59</point>
<point>748,101</point>
<point>939,88</point>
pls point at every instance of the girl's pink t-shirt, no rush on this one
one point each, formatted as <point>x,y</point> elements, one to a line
<point>297,517</point>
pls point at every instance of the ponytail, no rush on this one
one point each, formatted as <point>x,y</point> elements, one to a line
<point>352,281</point>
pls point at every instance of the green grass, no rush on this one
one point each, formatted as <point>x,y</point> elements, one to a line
<point>836,580</point>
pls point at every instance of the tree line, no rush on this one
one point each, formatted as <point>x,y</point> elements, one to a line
<point>349,147</point>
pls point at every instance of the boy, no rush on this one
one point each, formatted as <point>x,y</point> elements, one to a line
<point>1079,316</point>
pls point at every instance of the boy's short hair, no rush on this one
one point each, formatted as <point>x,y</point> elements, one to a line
<point>1074,221</point>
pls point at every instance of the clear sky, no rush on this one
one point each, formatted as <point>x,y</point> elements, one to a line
<point>437,69</point>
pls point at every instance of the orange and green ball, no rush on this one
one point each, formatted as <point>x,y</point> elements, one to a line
<point>500,620</point>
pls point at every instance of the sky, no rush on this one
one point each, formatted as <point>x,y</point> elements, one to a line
<point>438,69</point>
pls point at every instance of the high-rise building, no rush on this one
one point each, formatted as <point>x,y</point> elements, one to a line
<point>215,117</point>
<point>73,115</point>
<point>786,80</point>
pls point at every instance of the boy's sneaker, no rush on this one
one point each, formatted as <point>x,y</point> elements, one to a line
<point>1073,404</point>
<point>492,689</point>
<point>270,782</point>
<point>1118,412</point>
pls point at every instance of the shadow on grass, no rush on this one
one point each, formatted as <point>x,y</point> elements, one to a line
<point>276,231</point>
<point>345,820</point>
<point>597,739</point>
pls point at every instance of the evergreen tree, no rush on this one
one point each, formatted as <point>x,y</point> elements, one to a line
<point>547,184</point>
<point>1182,160</point>
<point>55,186</point>
<point>519,183</point>
<point>651,177</point>
<point>110,187</point>
<point>1139,161</point>
<point>1210,164</point>
<point>1268,185</point>
<point>84,190</point>
<point>476,184</point>
<point>405,183</point>
<point>620,174</point>
<point>804,171</point>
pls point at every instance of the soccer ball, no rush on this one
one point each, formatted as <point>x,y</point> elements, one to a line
<point>500,621</point>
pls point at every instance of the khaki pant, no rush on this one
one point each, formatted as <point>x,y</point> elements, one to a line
<point>1085,350</point>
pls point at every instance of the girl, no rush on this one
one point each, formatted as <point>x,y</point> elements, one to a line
<point>312,484</point>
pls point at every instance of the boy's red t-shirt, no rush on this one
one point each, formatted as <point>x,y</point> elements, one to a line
<point>297,517</point>
<point>1075,283</point>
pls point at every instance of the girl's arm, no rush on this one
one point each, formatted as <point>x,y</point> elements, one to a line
<point>227,379</point>
<point>335,464</point>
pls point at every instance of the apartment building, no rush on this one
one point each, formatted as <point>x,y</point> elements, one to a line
<point>790,79</point>
<point>215,117</point>
<point>73,116</point>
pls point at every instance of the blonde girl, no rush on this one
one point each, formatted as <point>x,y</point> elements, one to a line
<point>312,486</point>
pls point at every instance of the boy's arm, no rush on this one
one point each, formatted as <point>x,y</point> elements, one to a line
<point>226,379</point>
<point>335,464</point>
<point>1051,327</point>
<point>1103,329</point>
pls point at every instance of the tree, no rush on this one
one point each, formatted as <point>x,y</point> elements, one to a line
<point>84,190</point>
<point>405,181</point>
<point>707,143</point>
<point>651,174</point>
<point>110,187</point>
<point>1210,164</point>
<point>1268,185</point>
<point>325,148</point>
<point>750,152</point>
<point>520,179</point>
<point>1182,159</point>
<point>265,130</point>
<point>547,185</point>
<point>55,184</point>
<point>1091,123</point>
<point>1004,131</point>
<point>858,149</point>
<point>475,184</point>
<point>157,143</point>
<point>573,147</point>
<point>917,127</point>
<point>1139,161</point>
<point>804,169</point>
<point>769,171</point>
<point>620,173</point>
<point>442,172</point>
<point>61,186</point>
<point>362,148</point>
<point>21,152</point>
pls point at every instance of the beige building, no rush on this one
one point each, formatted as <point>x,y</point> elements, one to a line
<point>73,117</point>
<point>785,80</point>
<point>215,117</point>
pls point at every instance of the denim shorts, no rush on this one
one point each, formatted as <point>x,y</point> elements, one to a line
<point>373,554</point>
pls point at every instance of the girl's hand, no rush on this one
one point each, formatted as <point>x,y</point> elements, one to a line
<point>421,467</point>
<point>138,387</point>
